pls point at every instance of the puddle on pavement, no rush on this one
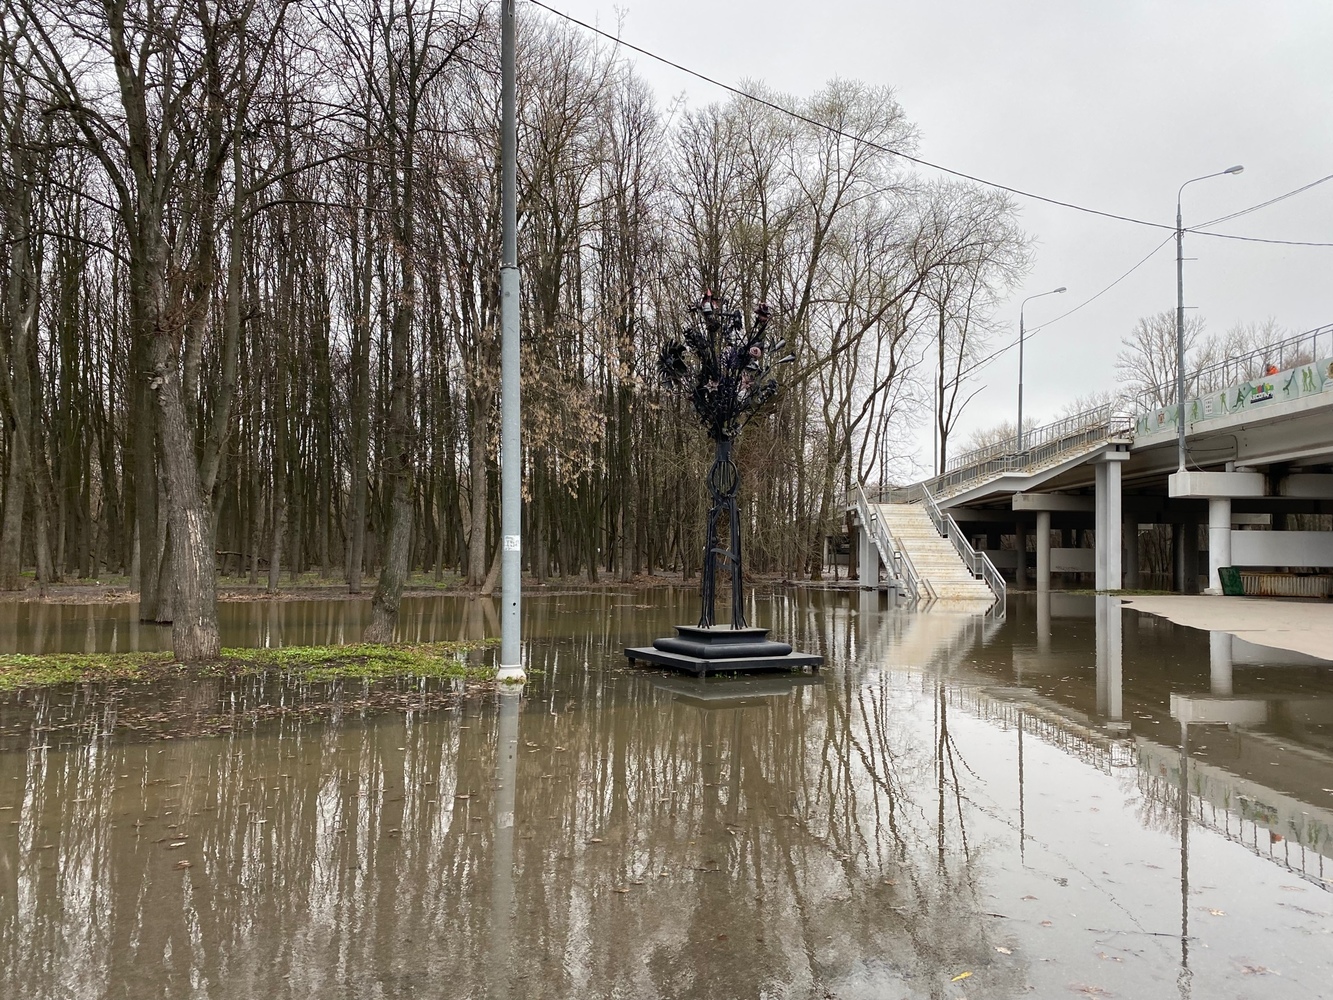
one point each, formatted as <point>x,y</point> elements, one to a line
<point>957,806</point>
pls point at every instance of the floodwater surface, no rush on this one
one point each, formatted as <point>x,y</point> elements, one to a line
<point>1073,801</point>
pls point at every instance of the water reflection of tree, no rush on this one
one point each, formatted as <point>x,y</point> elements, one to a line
<point>808,841</point>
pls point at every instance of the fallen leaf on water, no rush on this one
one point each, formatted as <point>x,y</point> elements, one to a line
<point>176,843</point>
<point>1291,888</point>
<point>1003,950</point>
<point>961,975</point>
<point>1218,913</point>
<point>1029,897</point>
<point>183,863</point>
<point>1257,970</point>
<point>620,888</point>
<point>594,840</point>
<point>1046,923</point>
<point>1091,991</point>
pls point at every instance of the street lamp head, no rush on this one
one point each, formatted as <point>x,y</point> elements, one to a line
<point>1233,170</point>
<point>1061,289</point>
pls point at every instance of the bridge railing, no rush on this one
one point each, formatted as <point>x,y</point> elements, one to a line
<point>1041,446</point>
<point>1283,355</point>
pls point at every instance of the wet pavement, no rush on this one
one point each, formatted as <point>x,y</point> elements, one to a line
<point>1076,800</point>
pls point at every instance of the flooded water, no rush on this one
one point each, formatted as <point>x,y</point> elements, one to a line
<point>1073,801</point>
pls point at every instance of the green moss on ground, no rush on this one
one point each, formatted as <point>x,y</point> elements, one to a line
<point>312,663</point>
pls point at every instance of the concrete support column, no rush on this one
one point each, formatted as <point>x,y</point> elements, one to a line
<point>1219,541</point>
<point>1021,554</point>
<point>1187,556</point>
<point>1099,531</point>
<point>1114,516</point>
<point>867,559</point>
<point>1043,551</point>
<point>1131,552</point>
<point>1219,663</point>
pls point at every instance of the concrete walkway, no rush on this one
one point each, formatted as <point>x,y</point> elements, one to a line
<point>1300,626</point>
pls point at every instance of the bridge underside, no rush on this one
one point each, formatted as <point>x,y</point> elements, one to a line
<point>1121,515</point>
<point>1101,499</point>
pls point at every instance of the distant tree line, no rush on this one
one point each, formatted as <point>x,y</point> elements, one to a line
<point>250,313</point>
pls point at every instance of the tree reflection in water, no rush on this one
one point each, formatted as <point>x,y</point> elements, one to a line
<point>813,841</point>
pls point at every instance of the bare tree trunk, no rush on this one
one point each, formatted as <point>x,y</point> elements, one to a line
<point>194,628</point>
<point>11,536</point>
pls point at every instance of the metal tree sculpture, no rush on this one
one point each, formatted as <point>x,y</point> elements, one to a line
<point>729,375</point>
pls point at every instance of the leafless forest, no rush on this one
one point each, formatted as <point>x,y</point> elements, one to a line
<point>250,315</point>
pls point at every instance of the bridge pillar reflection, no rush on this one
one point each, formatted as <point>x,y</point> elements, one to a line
<point>1219,663</point>
<point>1110,658</point>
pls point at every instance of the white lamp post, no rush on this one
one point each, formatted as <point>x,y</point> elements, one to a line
<point>1053,291</point>
<point>1180,315</point>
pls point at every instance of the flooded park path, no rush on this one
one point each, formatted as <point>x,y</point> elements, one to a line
<point>1075,800</point>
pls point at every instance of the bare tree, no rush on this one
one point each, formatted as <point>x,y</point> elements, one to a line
<point>1147,361</point>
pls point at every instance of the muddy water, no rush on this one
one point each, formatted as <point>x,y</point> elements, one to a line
<point>1073,801</point>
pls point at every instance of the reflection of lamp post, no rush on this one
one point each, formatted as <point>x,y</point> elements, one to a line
<point>1053,291</point>
<point>1180,315</point>
<point>502,850</point>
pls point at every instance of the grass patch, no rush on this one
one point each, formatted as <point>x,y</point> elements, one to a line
<point>311,663</point>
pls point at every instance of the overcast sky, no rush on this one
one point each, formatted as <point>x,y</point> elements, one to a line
<point>1109,104</point>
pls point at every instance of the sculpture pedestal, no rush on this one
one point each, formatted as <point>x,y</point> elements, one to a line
<point>721,649</point>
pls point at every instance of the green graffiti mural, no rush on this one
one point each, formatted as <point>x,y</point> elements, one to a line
<point>1305,380</point>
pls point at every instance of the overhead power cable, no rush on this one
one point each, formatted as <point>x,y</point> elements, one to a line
<point>1264,204</point>
<point>832,130</point>
<point>1037,329</point>
<point>846,135</point>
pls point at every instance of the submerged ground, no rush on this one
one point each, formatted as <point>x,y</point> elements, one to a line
<point>957,806</point>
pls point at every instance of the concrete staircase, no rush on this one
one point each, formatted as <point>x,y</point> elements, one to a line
<point>935,558</point>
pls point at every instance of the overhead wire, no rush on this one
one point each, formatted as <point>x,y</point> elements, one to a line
<point>833,130</point>
<point>1263,204</point>
<point>1037,329</point>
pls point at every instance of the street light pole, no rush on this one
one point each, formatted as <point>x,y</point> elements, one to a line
<point>1021,334</point>
<point>1180,315</point>
<point>511,446</point>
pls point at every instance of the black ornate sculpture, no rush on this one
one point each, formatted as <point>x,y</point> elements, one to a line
<point>729,375</point>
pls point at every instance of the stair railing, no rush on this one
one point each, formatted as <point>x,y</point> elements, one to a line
<point>978,563</point>
<point>891,551</point>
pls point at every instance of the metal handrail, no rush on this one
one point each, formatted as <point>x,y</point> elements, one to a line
<point>894,555</point>
<point>1056,430</point>
<point>1047,444</point>
<point>978,563</point>
<point>1284,354</point>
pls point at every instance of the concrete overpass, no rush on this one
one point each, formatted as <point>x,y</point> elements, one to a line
<point>1259,453</point>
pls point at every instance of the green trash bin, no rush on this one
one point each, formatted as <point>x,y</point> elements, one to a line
<point>1231,585</point>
